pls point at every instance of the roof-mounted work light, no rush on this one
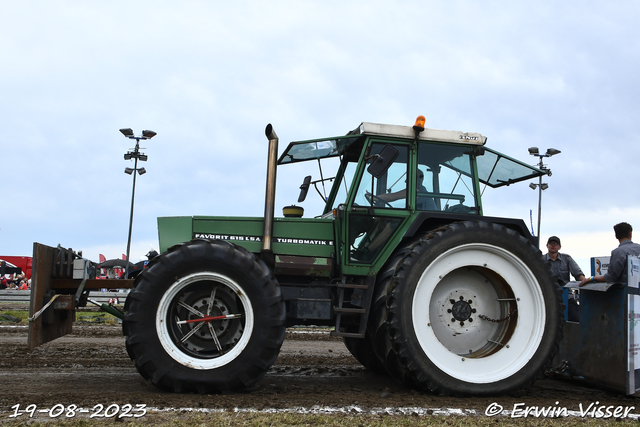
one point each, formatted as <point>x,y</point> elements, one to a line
<point>419,125</point>
<point>417,128</point>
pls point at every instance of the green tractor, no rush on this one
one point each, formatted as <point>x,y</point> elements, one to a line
<point>401,264</point>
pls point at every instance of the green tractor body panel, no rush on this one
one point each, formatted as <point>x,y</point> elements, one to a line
<point>293,239</point>
<point>299,237</point>
<point>292,236</point>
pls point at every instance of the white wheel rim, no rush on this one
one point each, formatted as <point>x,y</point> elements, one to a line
<point>166,338</point>
<point>481,273</point>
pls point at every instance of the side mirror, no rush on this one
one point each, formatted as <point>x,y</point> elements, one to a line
<point>383,161</point>
<point>304,188</point>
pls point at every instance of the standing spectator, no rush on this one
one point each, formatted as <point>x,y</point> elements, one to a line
<point>561,265</point>
<point>617,271</point>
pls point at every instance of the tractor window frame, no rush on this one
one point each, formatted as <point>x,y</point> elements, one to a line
<point>449,183</point>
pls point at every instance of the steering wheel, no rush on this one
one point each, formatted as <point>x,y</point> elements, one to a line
<point>371,197</point>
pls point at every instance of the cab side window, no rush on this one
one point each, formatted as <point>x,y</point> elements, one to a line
<point>388,191</point>
<point>447,184</point>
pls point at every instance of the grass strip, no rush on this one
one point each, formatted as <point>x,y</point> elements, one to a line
<point>188,419</point>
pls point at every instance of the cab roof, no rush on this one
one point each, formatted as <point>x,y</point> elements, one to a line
<point>427,134</point>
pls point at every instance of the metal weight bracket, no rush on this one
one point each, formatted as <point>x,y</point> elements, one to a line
<point>82,269</point>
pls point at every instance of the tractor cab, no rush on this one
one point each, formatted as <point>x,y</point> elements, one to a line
<point>444,169</point>
<point>391,179</point>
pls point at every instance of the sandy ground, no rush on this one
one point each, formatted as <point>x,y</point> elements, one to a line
<point>90,368</point>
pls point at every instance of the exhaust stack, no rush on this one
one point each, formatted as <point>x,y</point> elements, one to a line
<point>270,196</point>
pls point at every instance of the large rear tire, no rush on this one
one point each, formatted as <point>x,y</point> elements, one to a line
<point>378,327</point>
<point>474,310</point>
<point>205,316</point>
<point>362,350</point>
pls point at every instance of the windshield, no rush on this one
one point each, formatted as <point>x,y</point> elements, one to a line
<point>495,169</point>
<point>342,187</point>
<point>319,149</point>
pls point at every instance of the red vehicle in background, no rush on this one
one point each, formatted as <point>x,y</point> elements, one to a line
<point>22,262</point>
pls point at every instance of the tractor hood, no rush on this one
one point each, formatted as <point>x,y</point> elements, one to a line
<point>291,236</point>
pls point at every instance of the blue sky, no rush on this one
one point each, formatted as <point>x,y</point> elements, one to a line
<point>208,76</point>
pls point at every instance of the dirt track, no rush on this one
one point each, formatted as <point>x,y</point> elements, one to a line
<point>91,367</point>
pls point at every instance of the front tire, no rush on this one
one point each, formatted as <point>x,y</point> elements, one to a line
<point>474,311</point>
<point>205,316</point>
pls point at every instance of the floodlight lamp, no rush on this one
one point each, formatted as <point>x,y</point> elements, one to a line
<point>532,185</point>
<point>544,186</point>
<point>148,134</point>
<point>127,132</point>
<point>552,152</point>
<point>534,151</point>
<point>143,157</point>
<point>142,171</point>
<point>128,171</point>
<point>127,156</point>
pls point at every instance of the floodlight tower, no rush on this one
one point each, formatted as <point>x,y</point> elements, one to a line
<point>540,185</point>
<point>136,155</point>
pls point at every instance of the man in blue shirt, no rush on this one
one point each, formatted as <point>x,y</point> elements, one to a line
<point>561,265</point>
<point>617,271</point>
